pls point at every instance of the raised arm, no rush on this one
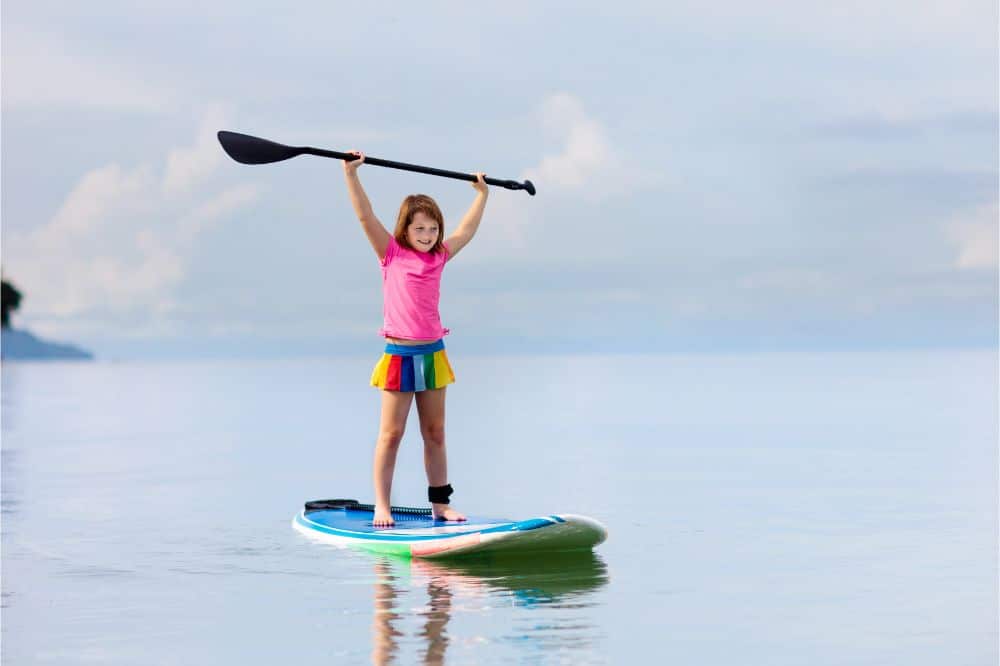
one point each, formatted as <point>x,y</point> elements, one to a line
<point>376,233</point>
<point>466,229</point>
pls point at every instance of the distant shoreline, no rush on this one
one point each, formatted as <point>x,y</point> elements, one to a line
<point>20,345</point>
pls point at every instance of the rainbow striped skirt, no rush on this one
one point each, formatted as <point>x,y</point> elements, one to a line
<point>413,368</point>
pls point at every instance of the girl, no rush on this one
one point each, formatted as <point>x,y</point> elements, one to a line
<point>414,362</point>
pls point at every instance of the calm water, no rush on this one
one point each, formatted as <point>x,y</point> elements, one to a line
<point>765,509</point>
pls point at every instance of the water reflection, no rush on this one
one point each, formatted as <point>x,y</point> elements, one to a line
<point>385,635</point>
<point>484,586</point>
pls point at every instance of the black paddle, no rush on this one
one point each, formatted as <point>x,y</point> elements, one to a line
<point>247,149</point>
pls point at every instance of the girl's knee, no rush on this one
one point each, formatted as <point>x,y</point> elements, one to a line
<point>390,437</point>
<point>433,434</point>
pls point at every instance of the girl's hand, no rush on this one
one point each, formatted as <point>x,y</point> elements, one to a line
<point>480,184</point>
<point>352,166</point>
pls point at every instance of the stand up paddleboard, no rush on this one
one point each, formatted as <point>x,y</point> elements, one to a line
<point>418,534</point>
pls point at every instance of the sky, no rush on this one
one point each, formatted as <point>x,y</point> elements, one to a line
<point>723,177</point>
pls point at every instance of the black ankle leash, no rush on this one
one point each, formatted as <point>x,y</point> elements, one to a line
<point>439,494</point>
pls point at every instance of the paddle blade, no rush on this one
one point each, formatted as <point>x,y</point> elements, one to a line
<point>247,149</point>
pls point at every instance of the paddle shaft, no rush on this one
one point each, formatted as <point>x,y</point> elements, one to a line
<point>376,161</point>
<point>247,149</point>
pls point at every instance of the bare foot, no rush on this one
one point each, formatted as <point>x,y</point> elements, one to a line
<point>383,518</point>
<point>445,512</point>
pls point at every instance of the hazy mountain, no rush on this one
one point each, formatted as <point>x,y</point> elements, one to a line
<point>17,344</point>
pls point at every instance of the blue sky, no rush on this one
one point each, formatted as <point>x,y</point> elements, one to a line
<point>736,176</point>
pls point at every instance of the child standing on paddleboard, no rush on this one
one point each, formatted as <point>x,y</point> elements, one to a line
<point>414,364</point>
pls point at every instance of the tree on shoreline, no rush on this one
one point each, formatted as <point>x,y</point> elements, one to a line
<point>11,300</point>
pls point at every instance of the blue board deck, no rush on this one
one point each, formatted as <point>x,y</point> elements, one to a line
<point>422,536</point>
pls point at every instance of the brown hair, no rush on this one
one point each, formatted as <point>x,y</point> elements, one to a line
<point>413,204</point>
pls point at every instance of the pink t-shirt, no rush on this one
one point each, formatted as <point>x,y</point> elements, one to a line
<point>411,289</point>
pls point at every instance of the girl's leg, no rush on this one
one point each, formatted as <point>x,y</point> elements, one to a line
<point>430,408</point>
<point>395,407</point>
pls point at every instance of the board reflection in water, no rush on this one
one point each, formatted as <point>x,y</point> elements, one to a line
<point>539,596</point>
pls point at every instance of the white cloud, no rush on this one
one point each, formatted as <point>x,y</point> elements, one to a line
<point>585,147</point>
<point>975,235</point>
<point>119,241</point>
<point>584,158</point>
<point>219,206</point>
<point>586,165</point>
<point>97,193</point>
<point>188,166</point>
<point>584,171</point>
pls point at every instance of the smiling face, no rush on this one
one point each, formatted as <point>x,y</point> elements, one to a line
<point>420,225</point>
<point>423,232</point>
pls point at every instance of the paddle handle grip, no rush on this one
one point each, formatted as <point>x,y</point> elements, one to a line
<point>457,175</point>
